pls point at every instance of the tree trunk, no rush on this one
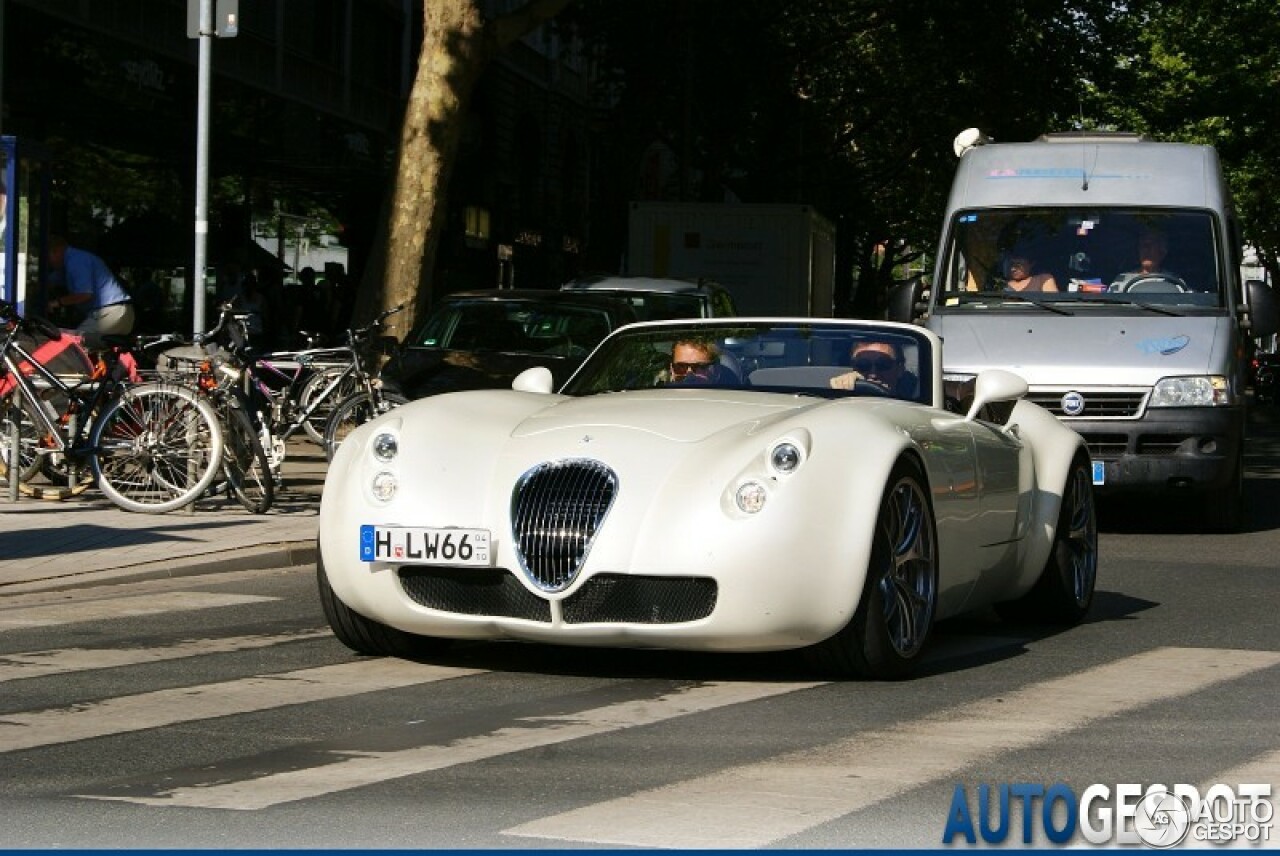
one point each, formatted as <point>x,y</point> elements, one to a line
<point>457,44</point>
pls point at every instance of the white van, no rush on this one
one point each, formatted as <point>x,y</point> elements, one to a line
<point>1105,269</point>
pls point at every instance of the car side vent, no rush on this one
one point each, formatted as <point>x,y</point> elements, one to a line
<point>556,510</point>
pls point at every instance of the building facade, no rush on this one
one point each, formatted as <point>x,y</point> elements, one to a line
<point>306,104</point>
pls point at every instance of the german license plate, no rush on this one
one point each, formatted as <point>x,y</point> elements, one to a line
<point>1099,472</point>
<point>423,545</point>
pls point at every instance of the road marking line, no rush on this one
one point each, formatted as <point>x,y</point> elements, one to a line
<point>1265,769</point>
<point>40,664</point>
<point>207,701</point>
<point>755,805</point>
<point>121,607</point>
<point>357,769</point>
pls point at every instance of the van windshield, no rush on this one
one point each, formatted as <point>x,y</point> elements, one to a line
<point>1120,255</point>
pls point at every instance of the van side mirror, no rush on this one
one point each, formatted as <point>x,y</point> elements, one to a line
<point>908,300</point>
<point>1264,309</point>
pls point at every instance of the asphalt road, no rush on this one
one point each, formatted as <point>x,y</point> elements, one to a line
<point>218,712</point>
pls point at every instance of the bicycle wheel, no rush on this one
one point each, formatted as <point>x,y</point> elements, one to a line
<point>244,464</point>
<point>28,462</point>
<point>55,466</point>
<point>354,412</point>
<point>156,448</point>
<point>347,387</point>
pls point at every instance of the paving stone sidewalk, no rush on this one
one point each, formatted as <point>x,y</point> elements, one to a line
<point>84,540</point>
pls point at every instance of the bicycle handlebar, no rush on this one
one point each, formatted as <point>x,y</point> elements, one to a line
<point>357,333</point>
<point>31,323</point>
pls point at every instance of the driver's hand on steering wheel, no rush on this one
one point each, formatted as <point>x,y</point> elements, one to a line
<point>848,379</point>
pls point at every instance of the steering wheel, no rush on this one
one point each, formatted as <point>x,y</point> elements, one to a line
<point>1154,282</point>
<point>866,387</point>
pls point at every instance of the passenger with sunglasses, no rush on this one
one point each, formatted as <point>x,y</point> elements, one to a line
<point>879,364</point>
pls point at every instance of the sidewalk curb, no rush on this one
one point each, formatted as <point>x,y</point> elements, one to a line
<point>278,555</point>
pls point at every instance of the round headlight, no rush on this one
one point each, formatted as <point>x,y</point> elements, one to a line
<point>384,486</point>
<point>750,497</point>
<point>785,458</point>
<point>385,447</point>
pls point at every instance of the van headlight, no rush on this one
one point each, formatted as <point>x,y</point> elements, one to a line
<point>1196,391</point>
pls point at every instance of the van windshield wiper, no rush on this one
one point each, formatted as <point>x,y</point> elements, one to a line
<point>1003,297</point>
<point>1124,301</point>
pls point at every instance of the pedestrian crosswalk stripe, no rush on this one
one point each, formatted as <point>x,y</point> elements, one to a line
<point>189,704</point>
<point>52,614</point>
<point>352,769</point>
<point>755,805</point>
<point>1264,769</point>
<point>40,664</point>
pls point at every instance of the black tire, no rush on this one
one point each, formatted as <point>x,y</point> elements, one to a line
<point>56,467</point>
<point>1064,592</point>
<point>364,635</point>
<point>1224,508</point>
<point>314,385</point>
<point>244,463</point>
<point>29,464</point>
<point>890,628</point>
<point>354,412</point>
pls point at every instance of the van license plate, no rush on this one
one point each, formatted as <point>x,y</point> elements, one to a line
<point>1099,472</point>
<point>421,545</point>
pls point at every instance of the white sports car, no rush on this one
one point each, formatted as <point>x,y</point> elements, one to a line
<point>786,484</point>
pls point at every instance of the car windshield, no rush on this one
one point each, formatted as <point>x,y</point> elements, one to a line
<point>1064,258</point>
<point>788,357</point>
<point>524,326</point>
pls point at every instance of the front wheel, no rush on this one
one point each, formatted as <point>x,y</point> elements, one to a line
<point>891,625</point>
<point>156,448</point>
<point>28,463</point>
<point>364,635</point>
<point>354,412</point>
<point>319,381</point>
<point>244,462</point>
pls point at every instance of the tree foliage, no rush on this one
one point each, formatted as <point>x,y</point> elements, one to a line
<point>1203,72</point>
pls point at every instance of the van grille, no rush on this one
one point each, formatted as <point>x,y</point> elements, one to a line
<point>556,510</point>
<point>1098,403</point>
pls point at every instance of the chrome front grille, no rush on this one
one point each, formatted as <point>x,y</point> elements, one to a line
<point>1098,403</point>
<point>556,510</point>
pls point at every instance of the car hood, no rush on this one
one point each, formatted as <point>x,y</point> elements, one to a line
<point>1083,348</point>
<point>681,416</point>
<point>419,372</point>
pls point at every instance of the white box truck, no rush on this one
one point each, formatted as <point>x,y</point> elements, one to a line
<point>1105,269</point>
<point>774,259</point>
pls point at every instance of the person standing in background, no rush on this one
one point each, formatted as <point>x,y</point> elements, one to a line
<point>89,287</point>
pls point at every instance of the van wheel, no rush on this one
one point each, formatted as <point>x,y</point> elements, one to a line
<point>1224,508</point>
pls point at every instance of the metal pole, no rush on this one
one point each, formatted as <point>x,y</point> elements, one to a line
<point>202,167</point>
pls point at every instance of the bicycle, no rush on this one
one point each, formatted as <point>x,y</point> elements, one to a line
<point>323,373</point>
<point>150,447</point>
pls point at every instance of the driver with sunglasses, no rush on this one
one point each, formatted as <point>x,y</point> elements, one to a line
<point>880,364</point>
<point>694,361</point>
